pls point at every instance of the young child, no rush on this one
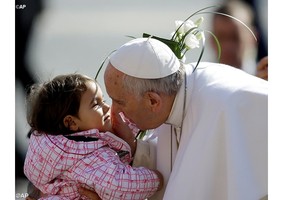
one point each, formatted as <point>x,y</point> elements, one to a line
<point>71,144</point>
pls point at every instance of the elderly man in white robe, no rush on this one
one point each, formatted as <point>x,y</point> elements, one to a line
<point>207,126</point>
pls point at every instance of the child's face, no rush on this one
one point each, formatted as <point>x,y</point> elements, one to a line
<point>94,113</point>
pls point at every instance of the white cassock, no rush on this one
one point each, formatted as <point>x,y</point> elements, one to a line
<point>222,153</point>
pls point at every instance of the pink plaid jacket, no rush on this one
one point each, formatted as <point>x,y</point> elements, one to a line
<point>59,166</point>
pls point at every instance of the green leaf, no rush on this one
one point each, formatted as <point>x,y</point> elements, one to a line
<point>174,46</point>
<point>141,134</point>
<point>234,18</point>
<point>131,36</point>
<point>99,69</point>
<point>217,43</point>
<point>202,51</point>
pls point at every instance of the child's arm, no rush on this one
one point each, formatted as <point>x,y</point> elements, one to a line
<point>112,179</point>
<point>160,176</point>
<point>92,195</point>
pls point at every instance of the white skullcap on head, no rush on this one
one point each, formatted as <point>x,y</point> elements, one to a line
<point>145,58</point>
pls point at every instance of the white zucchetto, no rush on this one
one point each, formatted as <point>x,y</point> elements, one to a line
<point>146,58</point>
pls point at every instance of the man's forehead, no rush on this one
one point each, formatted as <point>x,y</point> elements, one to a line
<point>112,73</point>
<point>113,84</point>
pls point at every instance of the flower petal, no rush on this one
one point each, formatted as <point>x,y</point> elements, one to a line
<point>191,41</point>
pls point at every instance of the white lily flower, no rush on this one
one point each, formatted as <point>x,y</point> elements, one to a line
<point>184,26</point>
<point>177,36</point>
<point>191,41</point>
<point>199,21</point>
<point>179,26</point>
<point>188,25</point>
<point>200,35</point>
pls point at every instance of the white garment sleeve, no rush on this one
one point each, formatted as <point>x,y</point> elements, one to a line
<point>145,154</point>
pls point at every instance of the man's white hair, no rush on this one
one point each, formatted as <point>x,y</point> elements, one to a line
<point>168,85</point>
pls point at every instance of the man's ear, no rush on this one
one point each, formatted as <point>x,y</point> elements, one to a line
<point>70,123</point>
<point>154,101</point>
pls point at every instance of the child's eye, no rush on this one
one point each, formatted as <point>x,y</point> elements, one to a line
<point>95,105</point>
<point>99,104</point>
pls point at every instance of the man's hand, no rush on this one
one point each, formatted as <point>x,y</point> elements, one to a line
<point>89,193</point>
<point>262,68</point>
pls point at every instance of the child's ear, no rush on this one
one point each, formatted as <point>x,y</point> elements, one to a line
<point>70,123</point>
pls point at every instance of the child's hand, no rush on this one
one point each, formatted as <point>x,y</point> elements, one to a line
<point>122,130</point>
<point>119,125</point>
